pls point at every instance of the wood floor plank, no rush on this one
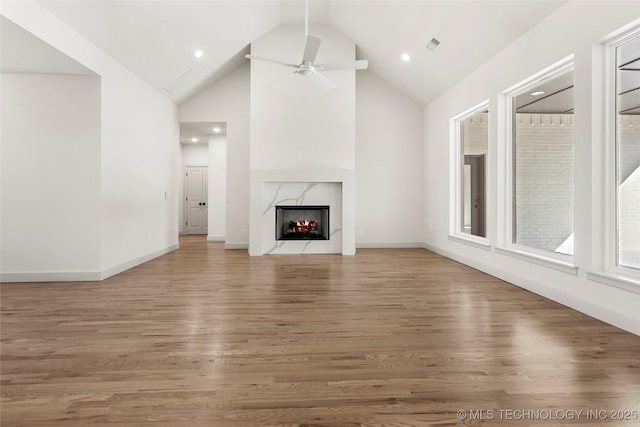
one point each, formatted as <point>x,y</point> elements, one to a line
<point>389,337</point>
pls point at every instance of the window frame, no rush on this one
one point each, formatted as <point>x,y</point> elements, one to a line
<point>456,203</point>
<point>506,139</point>
<point>612,267</point>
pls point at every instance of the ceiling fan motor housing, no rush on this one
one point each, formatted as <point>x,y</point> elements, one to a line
<point>306,70</point>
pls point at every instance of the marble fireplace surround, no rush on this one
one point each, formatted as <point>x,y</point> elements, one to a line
<point>334,183</point>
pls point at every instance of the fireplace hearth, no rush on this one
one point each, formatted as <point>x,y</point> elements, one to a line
<point>302,222</point>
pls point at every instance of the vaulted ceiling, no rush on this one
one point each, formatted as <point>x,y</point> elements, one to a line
<point>157,39</point>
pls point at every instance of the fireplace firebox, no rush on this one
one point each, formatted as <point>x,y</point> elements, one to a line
<point>302,222</point>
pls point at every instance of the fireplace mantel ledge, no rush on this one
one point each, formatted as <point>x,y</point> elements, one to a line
<point>302,175</point>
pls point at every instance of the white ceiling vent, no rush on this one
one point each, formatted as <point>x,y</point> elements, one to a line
<point>433,44</point>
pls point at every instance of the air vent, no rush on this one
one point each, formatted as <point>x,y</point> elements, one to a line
<point>433,44</point>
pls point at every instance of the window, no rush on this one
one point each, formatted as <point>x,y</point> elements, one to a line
<point>627,148</point>
<point>540,143</point>
<point>470,143</point>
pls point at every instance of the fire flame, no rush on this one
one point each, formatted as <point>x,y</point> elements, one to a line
<point>304,225</point>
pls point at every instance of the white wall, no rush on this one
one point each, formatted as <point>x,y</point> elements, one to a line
<point>195,154</point>
<point>139,153</point>
<point>388,132</point>
<point>389,165</point>
<point>138,163</point>
<point>50,176</point>
<point>227,100</point>
<point>301,125</point>
<point>475,131</point>
<point>629,190</point>
<point>544,179</point>
<point>296,122</point>
<point>555,38</point>
<point>629,220</point>
<point>217,187</point>
<point>190,155</point>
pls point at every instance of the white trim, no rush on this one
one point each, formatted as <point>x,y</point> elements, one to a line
<point>545,261</point>
<point>611,154</point>
<point>503,171</point>
<point>211,238</point>
<point>236,245</point>
<point>454,175</point>
<point>598,161</point>
<point>560,67</point>
<point>83,276</point>
<point>609,167</point>
<point>119,268</point>
<point>574,301</point>
<point>506,178</point>
<point>386,245</point>
<point>623,34</point>
<point>615,280</point>
<point>50,276</point>
<point>475,241</point>
<point>455,168</point>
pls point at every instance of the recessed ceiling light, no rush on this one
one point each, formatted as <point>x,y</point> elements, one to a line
<point>405,57</point>
<point>537,93</point>
<point>198,53</point>
<point>216,130</point>
<point>194,139</point>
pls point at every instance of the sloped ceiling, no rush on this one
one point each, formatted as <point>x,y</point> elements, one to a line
<point>157,39</point>
<point>41,58</point>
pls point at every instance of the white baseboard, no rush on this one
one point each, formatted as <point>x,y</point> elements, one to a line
<point>236,245</point>
<point>605,314</point>
<point>106,273</point>
<point>82,276</point>
<point>211,238</point>
<point>50,276</point>
<point>385,245</point>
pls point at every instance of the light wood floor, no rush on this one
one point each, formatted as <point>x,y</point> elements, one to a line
<point>398,337</point>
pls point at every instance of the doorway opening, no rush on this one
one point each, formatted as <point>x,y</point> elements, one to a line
<point>473,194</point>
<point>203,145</point>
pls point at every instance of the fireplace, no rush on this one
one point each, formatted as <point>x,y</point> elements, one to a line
<point>291,189</point>
<point>302,222</point>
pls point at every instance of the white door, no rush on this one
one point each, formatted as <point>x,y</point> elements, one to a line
<point>197,200</point>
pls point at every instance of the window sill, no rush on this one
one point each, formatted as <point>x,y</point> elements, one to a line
<point>545,261</point>
<point>477,242</point>
<point>616,280</point>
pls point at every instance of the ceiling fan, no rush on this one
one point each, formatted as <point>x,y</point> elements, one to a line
<point>307,65</point>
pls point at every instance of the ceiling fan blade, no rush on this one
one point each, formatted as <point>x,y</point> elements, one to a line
<point>273,61</point>
<point>347,65</point>
<point>323,80</point>
<point>311,47</point>
<point>282,78</point>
